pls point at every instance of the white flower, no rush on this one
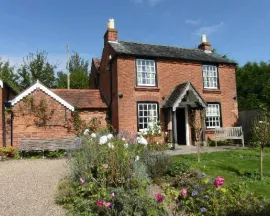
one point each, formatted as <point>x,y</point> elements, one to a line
<point>126,145</point>
<point>142,141</point>
<point>109,136</point>
<point>103,140</point>
<point>86,132</point>
<point>110,145</point>
<point>123,139</point>
<point>93,135</point>
<point>137,158</point>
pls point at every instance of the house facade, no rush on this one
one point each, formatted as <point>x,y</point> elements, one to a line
<point>145,82</point>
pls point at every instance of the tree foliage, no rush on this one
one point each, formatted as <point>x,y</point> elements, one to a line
<point>37,67</point>
<point>8,75</point>
<point>253,85</point>
<point>79,74</point>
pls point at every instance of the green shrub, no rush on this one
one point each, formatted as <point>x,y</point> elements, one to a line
<point>157,163</point>
<point>108,179</point>
<point>178,167</point>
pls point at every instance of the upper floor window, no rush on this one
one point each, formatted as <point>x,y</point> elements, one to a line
<point>146,72</point>
<point>210,77</point>
<point>213,115</point>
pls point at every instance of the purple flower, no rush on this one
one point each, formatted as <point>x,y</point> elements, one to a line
<point>194,193</point>
<point>202,175</point>
<point>207,197</point>
<point>203,210</point>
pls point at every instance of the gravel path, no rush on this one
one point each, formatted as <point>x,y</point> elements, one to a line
<point>27,187</point>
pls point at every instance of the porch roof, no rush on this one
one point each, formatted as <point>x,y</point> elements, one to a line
<point>178,95</point>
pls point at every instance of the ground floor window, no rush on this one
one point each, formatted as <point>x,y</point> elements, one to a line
<point>147,112</point>
<point>213,115</point>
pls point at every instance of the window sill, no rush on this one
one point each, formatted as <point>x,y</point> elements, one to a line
<point>212,91</point>
<point>210,131</point>
<point>147,88</point>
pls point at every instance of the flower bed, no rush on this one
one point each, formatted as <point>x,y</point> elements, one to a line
<point>112,176</point>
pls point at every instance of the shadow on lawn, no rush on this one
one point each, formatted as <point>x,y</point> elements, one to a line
<point>230,169</point>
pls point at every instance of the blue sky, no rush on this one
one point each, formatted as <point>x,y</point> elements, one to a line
<point>238,28</point>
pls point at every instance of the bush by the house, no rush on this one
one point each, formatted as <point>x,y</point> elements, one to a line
<point>9,152</point>
<point>108,177</point>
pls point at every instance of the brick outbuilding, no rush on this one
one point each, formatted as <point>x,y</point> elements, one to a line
<point>42,113</point>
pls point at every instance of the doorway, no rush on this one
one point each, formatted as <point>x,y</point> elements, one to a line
<point>181,126</point>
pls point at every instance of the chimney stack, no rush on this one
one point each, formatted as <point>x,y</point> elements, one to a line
<point>205,46</point>
<point>111,33</point>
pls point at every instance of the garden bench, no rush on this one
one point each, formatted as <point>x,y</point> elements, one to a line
<point>50,144</point>
<point>229,133</point>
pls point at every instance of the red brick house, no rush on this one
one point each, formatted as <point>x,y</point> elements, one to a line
<point>144,81</point>
<point>42,113</point>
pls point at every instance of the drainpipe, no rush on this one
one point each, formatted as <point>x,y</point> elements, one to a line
<point>11,128</point>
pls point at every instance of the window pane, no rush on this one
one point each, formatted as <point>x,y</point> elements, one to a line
<point>146,112</point>
<point>213,116</point>
<point>210,76</point>
<point>146,72</point>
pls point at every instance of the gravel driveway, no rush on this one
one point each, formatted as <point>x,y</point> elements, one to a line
<point>27,187</point>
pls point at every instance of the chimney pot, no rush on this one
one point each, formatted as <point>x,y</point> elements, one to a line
<point>204,40</point>
<point>110,24</point>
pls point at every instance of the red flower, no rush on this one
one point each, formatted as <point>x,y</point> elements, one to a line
<point>219,181</point>
<point>159,197</point>
<point>100,203</point>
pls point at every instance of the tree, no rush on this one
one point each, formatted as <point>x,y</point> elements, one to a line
<point>261,133</point>
<point>253,85</point>
<point>8,75</point>
<point>37,67</point>
<point>79,74</point>
<point>197,123</point>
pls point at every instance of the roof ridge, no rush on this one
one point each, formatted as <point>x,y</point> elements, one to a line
<point>171,46</point>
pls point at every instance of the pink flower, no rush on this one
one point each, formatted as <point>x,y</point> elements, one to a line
<point>219,181</point>
<point>183,192</point>
<point>100,203</point>
<point>82,181</point>
<point>133,174</point>
<point>159,197</point>
<point>106,166</point>
<point>113,194</point>
<point>108,204</point>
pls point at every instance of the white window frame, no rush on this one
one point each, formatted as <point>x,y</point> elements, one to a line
<point>146,70</point>
<point>213,116</point>
<point>146,115</point>
<point>210,77</point>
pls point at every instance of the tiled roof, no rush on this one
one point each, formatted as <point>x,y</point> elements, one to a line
<point>81,98</point>
<point>178,94</point>
<point>170,52</point>
<point>96,62</point>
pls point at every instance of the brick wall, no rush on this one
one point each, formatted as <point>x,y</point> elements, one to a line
<point>59,126</point>
<point>88,114</point>
<point>170,74</point>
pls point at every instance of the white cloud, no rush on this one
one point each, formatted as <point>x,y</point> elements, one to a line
<point>152,3</point>
<point>209,29</point>
<point>193,22</point>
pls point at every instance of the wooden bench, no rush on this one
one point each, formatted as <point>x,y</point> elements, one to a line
<point>50,144</point>
<point>229,133</point>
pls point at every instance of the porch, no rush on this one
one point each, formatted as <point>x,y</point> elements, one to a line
<point>178,109</point>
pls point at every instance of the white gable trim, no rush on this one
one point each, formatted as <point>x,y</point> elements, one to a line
<point>1,84</point>
<point>180,98</point>
<point>36,86</point>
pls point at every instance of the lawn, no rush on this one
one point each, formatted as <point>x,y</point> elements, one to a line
<point>235,166</point>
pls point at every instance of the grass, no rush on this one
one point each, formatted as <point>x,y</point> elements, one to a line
<point>235,166</point>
